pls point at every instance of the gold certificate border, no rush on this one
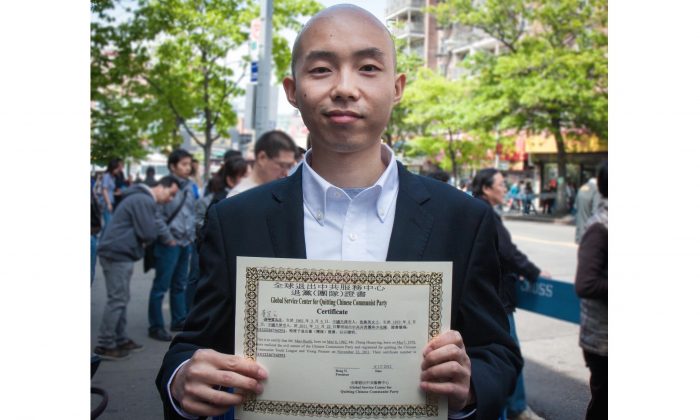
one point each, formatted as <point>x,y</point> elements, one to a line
<point>254,275</point>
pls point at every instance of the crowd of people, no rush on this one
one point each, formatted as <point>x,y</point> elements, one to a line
<point>160,221</point>
<point>344,83</point>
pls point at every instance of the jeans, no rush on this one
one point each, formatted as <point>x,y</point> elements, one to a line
<point>192,279</point>
<point>516,402</point>
<point>117,278</point>
<point>598,406</point>
<point>172,264</point>
<point>93,256</point>
<point>106,216</point>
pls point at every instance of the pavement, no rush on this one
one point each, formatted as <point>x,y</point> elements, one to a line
<point>555,374</point>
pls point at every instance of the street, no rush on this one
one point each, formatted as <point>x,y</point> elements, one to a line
<point>555,374</point>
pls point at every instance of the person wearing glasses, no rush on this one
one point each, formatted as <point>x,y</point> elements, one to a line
<point>274,157</point>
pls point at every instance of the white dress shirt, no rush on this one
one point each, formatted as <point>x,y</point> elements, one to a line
<point>351,224</point>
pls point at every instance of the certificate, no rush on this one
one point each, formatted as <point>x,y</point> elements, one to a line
<point>340,339</point>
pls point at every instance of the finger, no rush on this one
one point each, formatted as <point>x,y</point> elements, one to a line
<point>447,372</point>
<point>238,381</point>
<point>453,391</point>
<point>231,362</point>
<point>444,354</point>
<point>217,397</point>
<point>448,337</point>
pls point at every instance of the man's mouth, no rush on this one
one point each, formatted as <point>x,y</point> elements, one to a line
<point>342,117</point>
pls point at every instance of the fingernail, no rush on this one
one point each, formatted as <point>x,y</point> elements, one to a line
<point>259,389</point>
<point>262,373</point>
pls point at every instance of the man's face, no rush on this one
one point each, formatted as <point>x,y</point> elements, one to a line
<point>183,168</point>
<point>274,168</point>
<point>345,85</point>
<point>165,195</point>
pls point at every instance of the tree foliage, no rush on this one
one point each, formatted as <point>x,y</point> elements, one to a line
<point>398,127</point>
<point>170,64</point>
<point>446,114</point>
<point>551,74</point>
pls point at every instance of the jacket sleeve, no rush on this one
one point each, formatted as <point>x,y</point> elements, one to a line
<point>495,358</point>
<point>144,220</point>
<point>510,254</point>
<point>591,271</point>
<point>211,320</point>
<point>164,234</point>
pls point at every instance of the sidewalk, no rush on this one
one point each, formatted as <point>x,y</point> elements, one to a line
<point>129,383</point>
<point>539,217</point>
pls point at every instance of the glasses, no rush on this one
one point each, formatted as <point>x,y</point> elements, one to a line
<point>284,165</point>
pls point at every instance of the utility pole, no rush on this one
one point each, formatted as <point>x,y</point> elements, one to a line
<point>262,96</point>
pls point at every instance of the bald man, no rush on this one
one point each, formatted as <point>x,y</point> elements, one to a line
<point>344,83</point>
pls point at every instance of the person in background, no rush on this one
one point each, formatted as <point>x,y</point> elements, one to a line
<point>95,227</point>
<point>150,176</point>
<point>592,287</point>
<point>172,250</point>
<point>120,182</point>
<point>196,179</point>
<point>133,226</point>
<point>528,195</point>
<point>229,175</point>
<point>489,186</point>
<point>274,157</point>
<point>587,201</point>
<point>109,186</point>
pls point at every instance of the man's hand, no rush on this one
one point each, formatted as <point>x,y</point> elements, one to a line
<point>193,384</point>
<point>545,274</point>
<point>447,370</point>
<point>171,242</point>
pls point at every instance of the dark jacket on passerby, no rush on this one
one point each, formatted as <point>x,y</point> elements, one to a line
<point>592,282</point>
<point>95,214</point>
<point>513,265</point>
<point>133,226</point>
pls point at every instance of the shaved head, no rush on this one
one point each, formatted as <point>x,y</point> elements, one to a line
<point>333,12</point>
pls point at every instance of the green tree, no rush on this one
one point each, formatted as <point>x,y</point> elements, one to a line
<point>444,109</point>
<point>398,127</point>
<point>114,130</point>
<point>174,58</point>
<point>551,75</point>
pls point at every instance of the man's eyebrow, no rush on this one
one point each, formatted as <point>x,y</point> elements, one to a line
<point>320,55</point>
<point>371,52</point>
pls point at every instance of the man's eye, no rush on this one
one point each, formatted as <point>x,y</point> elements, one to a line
<point>369,67</point>
<point>318,70</point>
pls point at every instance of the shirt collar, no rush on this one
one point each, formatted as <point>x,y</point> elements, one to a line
<point>315,188</point>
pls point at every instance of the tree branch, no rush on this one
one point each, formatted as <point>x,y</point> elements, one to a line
<point>171,105</point>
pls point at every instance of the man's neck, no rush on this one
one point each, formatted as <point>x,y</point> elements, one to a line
<point>349,170</point>
<point>256,175</point>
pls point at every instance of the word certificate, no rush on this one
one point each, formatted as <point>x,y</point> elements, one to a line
<point>340,339</point>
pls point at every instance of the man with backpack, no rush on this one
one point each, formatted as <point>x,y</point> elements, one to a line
<point>176,235</point>
<point>133,225</point>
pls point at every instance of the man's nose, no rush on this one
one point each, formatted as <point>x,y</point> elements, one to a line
<point>345,87</point>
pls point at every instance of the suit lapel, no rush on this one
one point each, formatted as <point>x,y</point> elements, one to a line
<point>286,220</point>
<point>412,224</point>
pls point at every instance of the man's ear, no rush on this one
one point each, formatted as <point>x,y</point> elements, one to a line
<point>290,88</point>
<point>399,84</point>
<point>261,156</point>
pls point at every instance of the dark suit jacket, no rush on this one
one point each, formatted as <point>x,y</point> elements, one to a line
<point>433,222</point>
<point>513,265</point>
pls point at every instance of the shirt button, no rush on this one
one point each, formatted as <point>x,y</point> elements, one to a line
<point>353,237</point>
<point>319,216</point>
<point>337,194</point>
